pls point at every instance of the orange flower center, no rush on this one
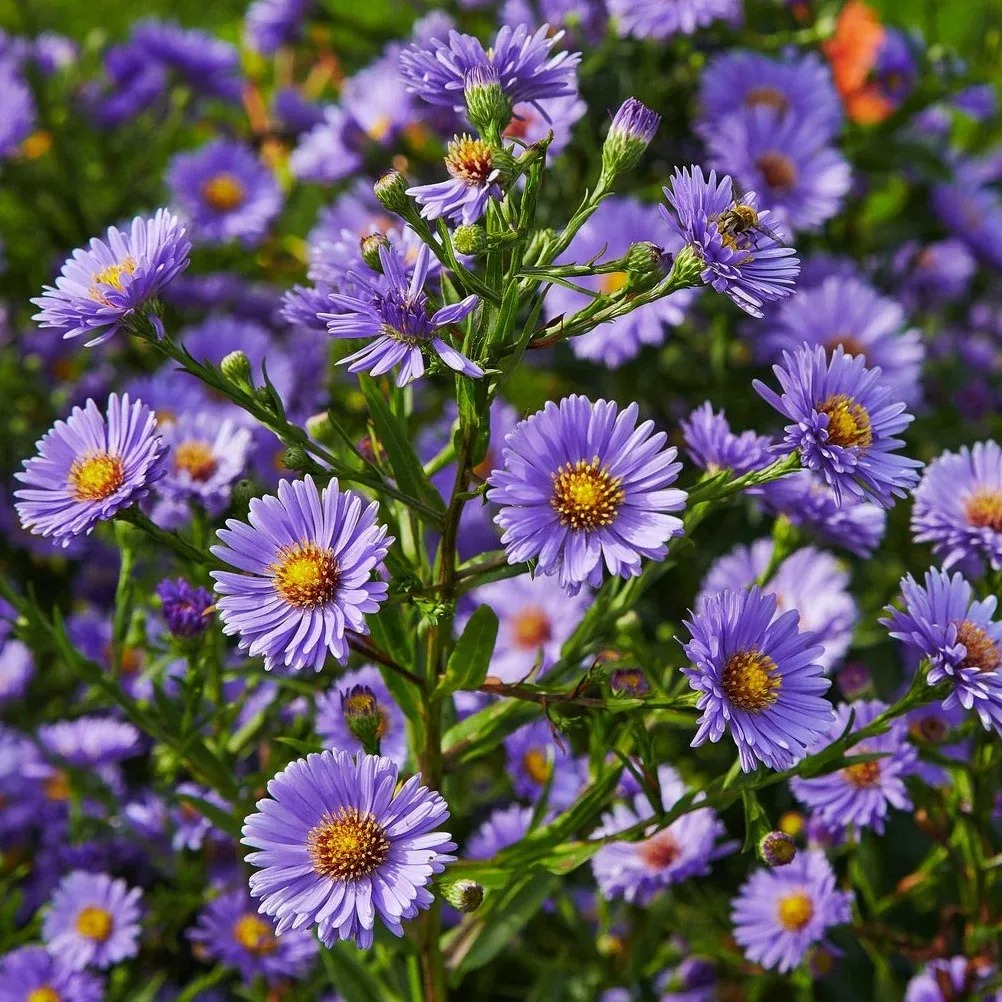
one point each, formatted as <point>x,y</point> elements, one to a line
<point>794,911</point>
<point>305,575</point>
<point>848,422</point>
<point>224,193</point>
<point>862,775</point>
<point>94,923</point>
<point>470,160</point>
<point>660,850</point>
<point>531,628</point>
<point>195,458</point>
<point>849,344</point>
<point>984,509</point>
<point>778,170</point>
<point>57,787</point>
<point>44,993</point>
<point>348,845</point>
<point>585,495</point>
<point>255,935</point>
<point>982,652</point>
<point>751,680</point>
<point>96,476</point>
<point>537,764</point>
<point>767,97</point>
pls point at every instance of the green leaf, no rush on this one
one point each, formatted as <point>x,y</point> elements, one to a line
<point>354,979</point>
<point>471,657</point>
<point>484,730</point>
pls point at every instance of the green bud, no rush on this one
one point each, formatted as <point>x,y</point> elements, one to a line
<point>645,265</point>
<point>363,716</point>
<point>391,192</point>
<point>487,105</point>
<point>369,248</point>
<point>687,269</point>
<point>236,368</point>
<point>631,132</point>
<point>318,427</point>
<point>243,492</point>
<point>464,895</point>
<point>538,242</point>
<point>470,239</point>
<point>295,458</point>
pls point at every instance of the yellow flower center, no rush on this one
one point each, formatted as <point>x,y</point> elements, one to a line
<point>255,934</point>
<point>348,845</point>
<point>112,275</point>
<point>982,652</point>
<point>585,495</point>
<point>44,993</point>
<point>195,458</point>
<point>537,765</point>
<point>57,787</point>
<point>306,575</point>
<point>96,476</point>
<point>224,193</point>
<point>795,910</point>
<point>751,680</point>
<point>767,97</point>
<point>848,422</point>
<point>611,282</point>
<point>778,171</point>
<point>380,128</point>
<point>984,509</point>
<point>862,775</point>
<point>469,160</point>
<point>94,923</point>
<point>531,628</point>
<point>660,850</point>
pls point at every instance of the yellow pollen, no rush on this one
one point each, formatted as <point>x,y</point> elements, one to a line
<point>767,97</point>
<point>849,344</point>
<point>984,509</point>
<point>94,923</point>
<point>380,128</point>
<point>778,170</point>
<point>112,275</point>
<point>537,765</point>
<point>848,422</point>
<point>531,628</point>
<point>470,160</point>
<point>795,910</point>
<point>255,934</point>
<point>862,775</point>
<point>348,845</point>
<point>982,652</point>
<point>585,495</point>
<point>44,993</point>
<point>224,193</point>
<point>195,458</point>
<point>57,787</point>
<point>791,823</point>
<point>751,680</point>
<point>660,850</point>
<point>306,575</point>
<point>611,282</point>
<point>360,704</point>
<point>95,476</point>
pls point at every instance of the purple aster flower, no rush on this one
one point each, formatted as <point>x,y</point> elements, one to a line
<point>779,914</point>
<point>17,120</point>
<point>844,422</point>
<point>89,467</point>
<point>731,236</point>
<point>340,844</point>
<point>934,274</point>
<point>17,666</point>
<point>191,827</point>
<point>787,161</point>
<point>639,871</point>
<point>618,223</point>
<point>302,306</point>
<point>305,566</point>
<point>758,676</point>
<point>377,102</point>
<point>224,192</point>
<point>694,980</point>
<point>102,288</point>
<point>232,932</point>
<point>474,180</point>
<point>582,18</point>
<point>325,154</point>
<point>972,211</point>
<point>395,313</point>
<point>532,122</point>
<point>134,82</point>
<point>953,979</point>
<point>270,24</point>
<point>849,313</point>
<point>295,112</point>
<point>32,974</point>
<point>221,290</point>
<point>534,621</point>
<point>946,624</point>
<point>860,794</point>
<point>810,581</point>
<point>807,501</point>
<point>713,446</point>
<point>332,721</point>
<point>184,607</point>
<point>92,920</point>
<point>538,763</point>
<point>894,72</point>
<point>90,741</point>
<point>958,506</point>
<point>504,827</point>
<point>583,485</point>
<point>207,64</point>
<point>799,85</point>
<point>657,19</point>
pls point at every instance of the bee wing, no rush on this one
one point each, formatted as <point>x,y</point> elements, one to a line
<point>761,227</point>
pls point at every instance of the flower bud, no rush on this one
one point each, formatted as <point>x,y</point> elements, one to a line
<point>487,106</point>
<point>469,239</point>
<point>629,682</point>
<point>236,368</point>
<point>687,269</point>
<point>318,427</point>
<point>369,248</point>
<point>244,491</point>
<point>363,717</point>
<point>391,192</point>
<point>464,895</point>
<point>776,849</point>
<point>631,132</point>
<point>645,265</point>
<point>186,609</point>
<point>295,458</point>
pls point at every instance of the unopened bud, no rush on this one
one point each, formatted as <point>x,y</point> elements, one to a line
<point>633,127</point>
<point>244,491</point>
<point>470,239</point>
<point>391,192</point>
<point>464,895</point>
<point>236,368</point>
<point>487,105</point>
<point>369,248</point>
<point>295,458</point>
<point>363,717</point>
<point>629,682</point>
<point>776,849</point>
<point>645,265</point>
<point>318,427</point>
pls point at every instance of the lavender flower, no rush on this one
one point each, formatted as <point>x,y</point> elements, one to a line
<point>656,19</point>
<point>32,974</point>
<point>582,484</point>
<point>104,287</point>
<point>758,676</point>
<point>205,63</point>
<point>844,419</point>
<point>90,467</point>
<point>952,978</point>
<point>270,24</point>
<point>504,827</point>
<point>537,763</point>
<point>90,741</point>
<point>18,118</point>
<point>17,666</point>
<point>713,446</point>
<point>398,319</point>
<point>780,913</point>
<point>470,162</point>
<point>340,844</point>
<point>305,565</point>
<point>185,607</point>
<point>741,257</point>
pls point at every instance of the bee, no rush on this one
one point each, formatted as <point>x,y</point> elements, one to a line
<point>741,219</point>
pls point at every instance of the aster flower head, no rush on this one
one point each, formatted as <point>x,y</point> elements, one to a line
<point>656,19</point>
<point>106,285</point>
<point>862,793</point>
<point>538,762</point>
<point>231,931</point>
<point>191,827</point>
<point>224,192</point>
<point>304,573</point>
<point>90,741</point>
<point>958,507</point>
<point>32,973</point>
<point>639,871</point>
<point>780,913</point>
<point>844,422</point>
<point>396,314</point>
<point>583,485</point>
<point>92,921</point>
<point>339,845</point>
<point>204,62</point>
<point>952,978</point>
<point>713,446</point>
<point>474,180</point>
<point>17,666</point>
<point>326,153</point>
<point>758,676</point>
<point>741,256</point>
<point>504,827</point>
<point>89,467</point>
<point>18,119</point>
<point>944,622</point>
<point>270,24</point>
<point>185,607</point>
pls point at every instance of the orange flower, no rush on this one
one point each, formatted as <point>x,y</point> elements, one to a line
<point>852,52</point>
